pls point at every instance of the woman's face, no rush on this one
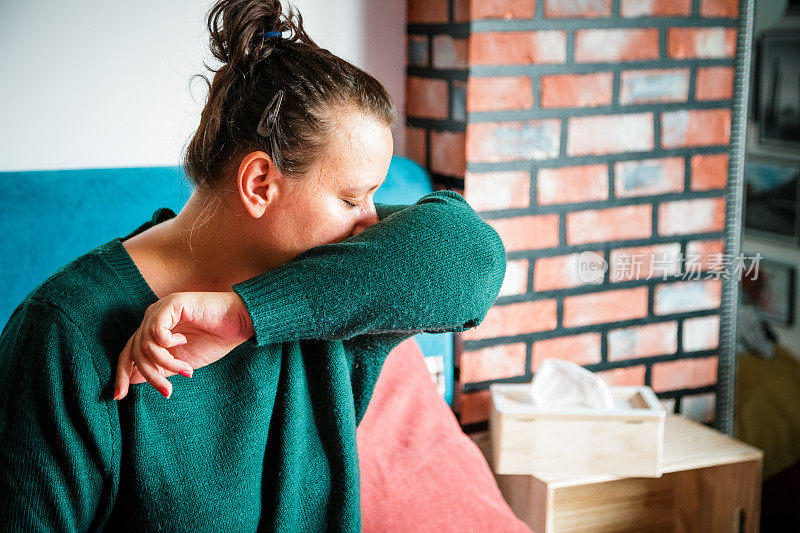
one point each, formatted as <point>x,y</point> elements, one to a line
<point>335,200</point>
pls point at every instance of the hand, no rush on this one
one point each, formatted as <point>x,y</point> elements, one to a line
<point>181,332</point>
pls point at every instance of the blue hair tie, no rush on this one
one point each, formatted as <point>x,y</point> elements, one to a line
<point>271,34</point>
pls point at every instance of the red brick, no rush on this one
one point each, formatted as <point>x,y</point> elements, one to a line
<point>559,272</point>
<point>683,374</point>
<point>497,142</point>
<point>447,153</point>
<point>474,407</point>
<point>654,86</point>
<point>701,333</point>
<point>516,278</point>
<point>709,171</point>
<point>577,90</point>
<point>427,98</point>
<point>503,9</point>
<point>688,43</point>
<point>648,177</point>
<point>577,8</point>
<point>608,306</point>
<point>565,185</point>
<point>644,262</point>
<point>611,224</point>
<point>615,45</point>
<point>656,8</point>
<point>719,8</point>
<point>699,127</point>
<point>610,134</point>
<point>499,93</point>
<point>491,191</point>
<point>643,341</point>
<point>518,47</point>
<point>683,217</point>
<point>714,83</point>
<point>580,349</point>
<point>632,376</point>
<point>416,145</point>
<point>494,362</point>
<point>531,232</point>
<point>686,296</point>
<point>699,407</point>
<point>449,53</point>
<point>428,11</point>
<point>515,319</point>
<point>461,10</point>
<point>704,254</point>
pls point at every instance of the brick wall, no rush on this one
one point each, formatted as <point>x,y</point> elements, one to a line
<point>585,129</point>
<point>436,89</point>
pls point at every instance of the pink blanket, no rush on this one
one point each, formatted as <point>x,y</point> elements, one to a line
<point>419,471</point>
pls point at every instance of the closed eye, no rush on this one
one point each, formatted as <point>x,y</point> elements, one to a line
<point>349,203</point>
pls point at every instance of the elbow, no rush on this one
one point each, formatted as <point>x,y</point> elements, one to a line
<point>487,256</point>
<point>469,258</point>
<point>486,248</point>
<point>483,287</point>
<point>492,269</point>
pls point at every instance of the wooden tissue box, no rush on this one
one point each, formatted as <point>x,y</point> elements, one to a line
<point>527,439</point>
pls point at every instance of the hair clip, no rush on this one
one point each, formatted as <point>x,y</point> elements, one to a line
<point>268,34</point>
<point>267,122</point>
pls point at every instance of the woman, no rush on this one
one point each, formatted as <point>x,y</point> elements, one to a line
<point>280,270</point>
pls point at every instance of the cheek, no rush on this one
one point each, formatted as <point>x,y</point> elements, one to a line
<point>325,223</point>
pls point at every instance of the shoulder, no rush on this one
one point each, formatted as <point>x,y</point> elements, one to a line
<point>45,357</point>
<point>55,319</point>
<point>70,292</point>
<point>51,390</point>
<point>40,333</point>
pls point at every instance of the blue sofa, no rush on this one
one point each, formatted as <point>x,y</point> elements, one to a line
<point>48,218</point>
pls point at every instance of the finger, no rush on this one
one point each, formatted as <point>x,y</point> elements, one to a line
<point>146,368</point>
<point>166,337</point>
<point>136,376</point>
<point>150,372</point>
<point>179,339</point>
<point>163,358</point>
<point>163,319</point>
<point>124,366</point>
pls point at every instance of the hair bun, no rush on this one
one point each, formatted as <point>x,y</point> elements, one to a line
<point>237,29</point>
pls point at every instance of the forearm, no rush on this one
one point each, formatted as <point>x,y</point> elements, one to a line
<point>431,266</point>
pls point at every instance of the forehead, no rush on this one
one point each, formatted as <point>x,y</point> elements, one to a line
<point>359,152</point>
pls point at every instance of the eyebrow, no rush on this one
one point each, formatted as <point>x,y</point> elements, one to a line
<point>359,190</point>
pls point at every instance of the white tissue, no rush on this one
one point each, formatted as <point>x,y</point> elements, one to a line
<point>560,383</point>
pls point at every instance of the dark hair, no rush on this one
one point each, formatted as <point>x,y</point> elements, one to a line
<point>316,85</point>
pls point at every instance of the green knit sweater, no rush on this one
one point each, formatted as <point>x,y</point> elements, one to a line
<point>263,439</point>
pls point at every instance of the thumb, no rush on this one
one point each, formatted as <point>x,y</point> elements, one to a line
<point>164,320</point>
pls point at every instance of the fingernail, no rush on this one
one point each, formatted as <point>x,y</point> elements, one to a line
<point>116,392</point>
<point>164,392</point>
<point>185,373</point>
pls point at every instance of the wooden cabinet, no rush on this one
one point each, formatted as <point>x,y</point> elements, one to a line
<point>710,483</point>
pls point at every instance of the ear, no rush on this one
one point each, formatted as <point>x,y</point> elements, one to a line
<point>257,180</point>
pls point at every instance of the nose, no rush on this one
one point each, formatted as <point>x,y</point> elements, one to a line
<point>367,217</point>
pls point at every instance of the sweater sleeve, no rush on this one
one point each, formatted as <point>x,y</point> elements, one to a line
<point>56,456</point>
<point>431,266</point>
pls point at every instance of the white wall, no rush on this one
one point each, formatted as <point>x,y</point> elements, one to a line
<point>93,83</point>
